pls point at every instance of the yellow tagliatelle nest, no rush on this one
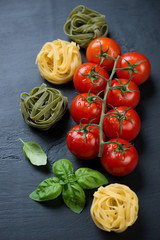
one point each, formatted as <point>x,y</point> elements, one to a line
<point>58,60</point>
<point>114,208</point>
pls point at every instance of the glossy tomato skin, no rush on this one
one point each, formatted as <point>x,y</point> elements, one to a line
<point>77,146</point>
<point>144,68</point>
<point>82,110</point>
<point>116,162</point>
<point>130,130</point>
<point>94,49</point>
<point>115,96</point>
<point>83,83</point>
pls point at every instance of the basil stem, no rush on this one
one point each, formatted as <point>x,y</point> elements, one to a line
<point>34,153</point>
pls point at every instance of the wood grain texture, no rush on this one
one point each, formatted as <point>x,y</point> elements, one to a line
<point>24,27</point>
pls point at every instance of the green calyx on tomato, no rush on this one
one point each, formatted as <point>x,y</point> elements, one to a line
<point>103,54</point>
<point>84,128</point>
<point>92,98</point>
<point>131,67</point>
<point>123,87</point>
<point>93,75</point>
<point>120,146</point>
<point>121,116</point>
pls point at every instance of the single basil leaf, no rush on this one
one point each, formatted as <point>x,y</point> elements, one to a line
<point>34,153</point>
<point>63,169</point>
<point>89,178</point>
<point>74,197</point>
<point>49,189</point>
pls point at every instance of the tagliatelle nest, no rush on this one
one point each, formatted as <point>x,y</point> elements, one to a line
<point>84,24</point>
<point>43,106</point>
<point>58,60</point>
<point>114,208</point>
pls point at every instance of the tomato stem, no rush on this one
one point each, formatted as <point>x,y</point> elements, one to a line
<point>125,68</point>
<point>103,108</point>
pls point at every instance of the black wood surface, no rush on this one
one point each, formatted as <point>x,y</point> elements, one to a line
<point>24,27</point>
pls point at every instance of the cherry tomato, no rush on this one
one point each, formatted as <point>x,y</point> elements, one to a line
<point>141,70</point>
<point>85,107</point>
<point>99,47</point>
<point>85,78</point>
<point>126,95</point>
<point>119,157</point>
<point>77,145</point>
<point>122,122</point>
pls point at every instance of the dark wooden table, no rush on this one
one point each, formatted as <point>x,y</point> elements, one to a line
<point>24,27</point>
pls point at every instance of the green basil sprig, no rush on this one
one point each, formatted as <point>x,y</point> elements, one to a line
<point>70,184</point>
<point>34,153</point>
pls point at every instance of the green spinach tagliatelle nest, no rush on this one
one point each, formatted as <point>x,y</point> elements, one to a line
<point>83,25</point>
<point>43,106</point>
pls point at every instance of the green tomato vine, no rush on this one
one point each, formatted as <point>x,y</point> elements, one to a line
<point>123,88</point>
<point>100,125</point>
<point>131,69</point>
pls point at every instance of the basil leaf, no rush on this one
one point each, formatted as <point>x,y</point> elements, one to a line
<point>34,153</point>
<point>89,178</point>
<point>74,197</point>
<point>49,189</point>
<point>63,169</point>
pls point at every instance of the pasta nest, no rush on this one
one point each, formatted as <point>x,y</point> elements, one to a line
<point>83,25</point>
<point>58,60</point>
<point>43,106</point>
<point>114,208</point>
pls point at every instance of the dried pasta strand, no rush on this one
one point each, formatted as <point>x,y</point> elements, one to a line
<point>43,106</point>
<point>58,60</point>
<point>83,25</point>
<point>114,208</point>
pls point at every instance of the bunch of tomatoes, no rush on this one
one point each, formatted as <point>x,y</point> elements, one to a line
<point>120,122</point>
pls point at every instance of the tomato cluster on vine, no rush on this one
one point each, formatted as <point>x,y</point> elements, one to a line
<point>105,106</point>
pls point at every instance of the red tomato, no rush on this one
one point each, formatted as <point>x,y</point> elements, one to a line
<point>142,70</point>
<point>95,54</point>
<point>86,107</point>
<point>77,145</point>
<point>85,83</point>
<point>119,158</point>
<point>123,96</point>
<point>126,124</point>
